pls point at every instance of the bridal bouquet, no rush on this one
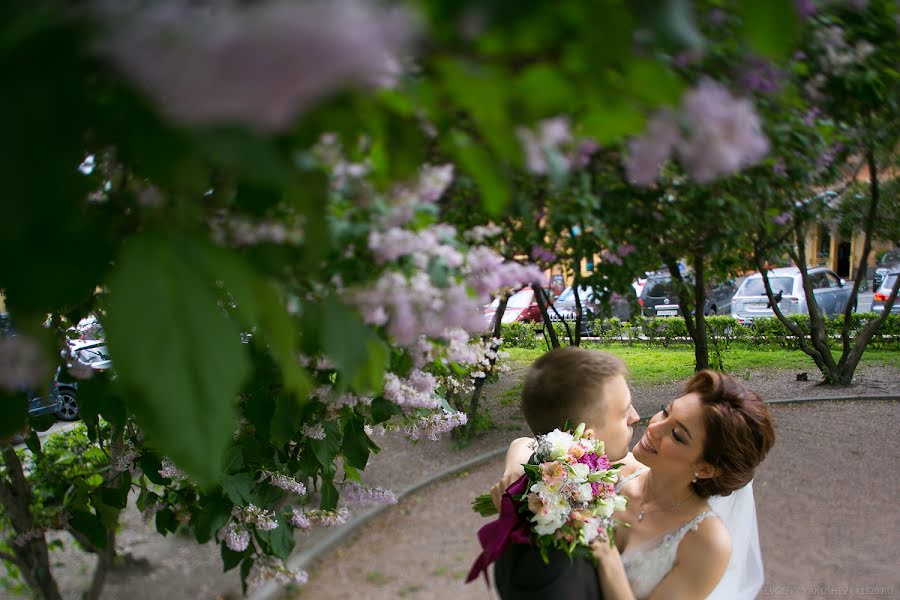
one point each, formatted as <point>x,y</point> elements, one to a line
<point>565,500</point>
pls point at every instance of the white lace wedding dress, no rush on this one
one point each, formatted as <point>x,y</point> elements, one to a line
<point>647,565</point>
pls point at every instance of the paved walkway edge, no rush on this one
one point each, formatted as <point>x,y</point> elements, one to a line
<point>336,537</point>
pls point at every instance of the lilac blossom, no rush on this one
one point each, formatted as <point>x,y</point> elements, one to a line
<point>806,8</point>
<point>779,169</point>
<point>688,57</point>
<point>235,536</point>
<point>170,471</point>
<point>480,233</point>
<point>259,64</point>
<point>647,153</point>
<point>356,493</point>
<point>261,518</point>
<point>417,391</point>
<point>269,568</point>
<point>432,426</point>
<point>550,135</point>
<point>315,431</point>
<point>329,518</point>
<point>22,364</point>
<point>760,75</point>
<point>541,254</point>
<point>782,219</point>
<point>300,519</point>
<point>726,133</point>
<point>284,482</point>
<point>625,249</point>
<point>123,461</point>
<point>488,273</point>
<point>611,257</point>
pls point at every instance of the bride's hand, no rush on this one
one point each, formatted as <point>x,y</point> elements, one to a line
<point>604,551</point>
<point>499,488</point>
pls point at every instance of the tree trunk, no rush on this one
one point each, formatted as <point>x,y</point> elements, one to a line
<point>479,384</point>
<point>696,325</point>
<point>850,356</point>
<point>32,556</point>
<point>578,311</point>
<point>700,337</point>
<point>545,316</point>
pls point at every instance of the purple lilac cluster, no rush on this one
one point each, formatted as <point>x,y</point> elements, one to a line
<point>415,391</point>
<point>236,536</point>
<point>432,426</point>
<point>170,471</point>
<point>315,431</point>
<point>724,135</point>
<point>284,482</point>
<point>357,493</point>
<point>257,64</point>
<point>268,568</point>
<point>261,518</point>
<point>487,272</point>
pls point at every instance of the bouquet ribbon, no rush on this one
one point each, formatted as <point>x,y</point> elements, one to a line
<point>509,528</point>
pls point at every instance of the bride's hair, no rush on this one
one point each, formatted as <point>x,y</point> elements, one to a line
<point>739,431</point>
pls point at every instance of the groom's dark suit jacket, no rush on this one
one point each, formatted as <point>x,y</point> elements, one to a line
<point>521,574</point>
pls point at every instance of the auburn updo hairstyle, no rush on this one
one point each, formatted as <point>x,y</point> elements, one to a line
<point>739,431</point>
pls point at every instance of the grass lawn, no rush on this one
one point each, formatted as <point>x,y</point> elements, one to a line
<point>652,365</point>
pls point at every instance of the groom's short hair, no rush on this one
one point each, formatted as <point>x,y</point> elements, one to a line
<point>558,384</point>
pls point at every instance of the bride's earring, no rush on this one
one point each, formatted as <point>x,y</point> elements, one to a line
<point>694,480</point>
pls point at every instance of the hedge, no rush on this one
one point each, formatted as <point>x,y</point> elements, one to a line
<point>723,332</point>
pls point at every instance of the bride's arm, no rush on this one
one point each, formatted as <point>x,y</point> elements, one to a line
<point>613,580</point>
<point>519,452</point>
<point>700,562</point>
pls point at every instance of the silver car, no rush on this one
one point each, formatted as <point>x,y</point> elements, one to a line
<point>884,292</point>
<point>750,302</point>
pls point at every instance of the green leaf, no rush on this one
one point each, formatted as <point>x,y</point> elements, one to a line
<point>89,525</point>
<point>351,473</point>
<point>653,83</point>
<point>544,91</point>
<point>166,521</point>
<point>356,443</point>
<point>14,414</point>
<point>325,450</point>
<point>611,122</point>
<point>97,397</point>
<point>259,305</point>
<point>381,410</point>
<point>493,186</point>
<point>239,488</point>
<point>286,418</point>
<point>358,354</point>
<point>280,541</point>
<point>209,517</point>
<point>329,495</point>
<point>230,558</point>
<point>178,356</point>
<point>33,443</point>
<point>770,26</point>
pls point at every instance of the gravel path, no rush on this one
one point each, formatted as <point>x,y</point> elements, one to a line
<point>826,495</point>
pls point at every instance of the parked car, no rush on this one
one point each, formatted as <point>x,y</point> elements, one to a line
<point>592,306</point>
<point>521,307</point>
<point>882,293</point>
<point>40,402</point>
<point>658,298</point>
<point>887,263</point>
<point>92,353</point>
<point>831,292</point>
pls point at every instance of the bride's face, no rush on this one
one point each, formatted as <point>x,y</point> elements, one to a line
<point>673,442</point>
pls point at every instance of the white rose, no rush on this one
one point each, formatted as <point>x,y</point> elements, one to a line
<point>558,443</point>
<point>605,508</point>
<point>590,529</point>
<point>584,493</point>
<point>619,503</point>
<point>580,472</point>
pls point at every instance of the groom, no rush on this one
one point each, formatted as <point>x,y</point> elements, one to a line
<point>579,386</point>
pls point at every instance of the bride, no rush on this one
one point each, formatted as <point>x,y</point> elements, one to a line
<point>706,443</point>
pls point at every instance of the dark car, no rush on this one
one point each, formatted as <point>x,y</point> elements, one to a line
<point>40,402</point>
<point>658,298</point>
<point>887,263</point>
<point>884,292</point>
<point>592,306</point>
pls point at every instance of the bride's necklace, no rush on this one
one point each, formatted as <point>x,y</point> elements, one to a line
<point>640,516</point>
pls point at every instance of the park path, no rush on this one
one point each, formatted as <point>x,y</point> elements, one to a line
<point>826,496</point>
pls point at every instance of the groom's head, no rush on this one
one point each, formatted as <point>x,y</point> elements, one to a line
<point>580,386</point>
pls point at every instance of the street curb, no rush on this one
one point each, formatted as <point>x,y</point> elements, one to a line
<point>335,537</point>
